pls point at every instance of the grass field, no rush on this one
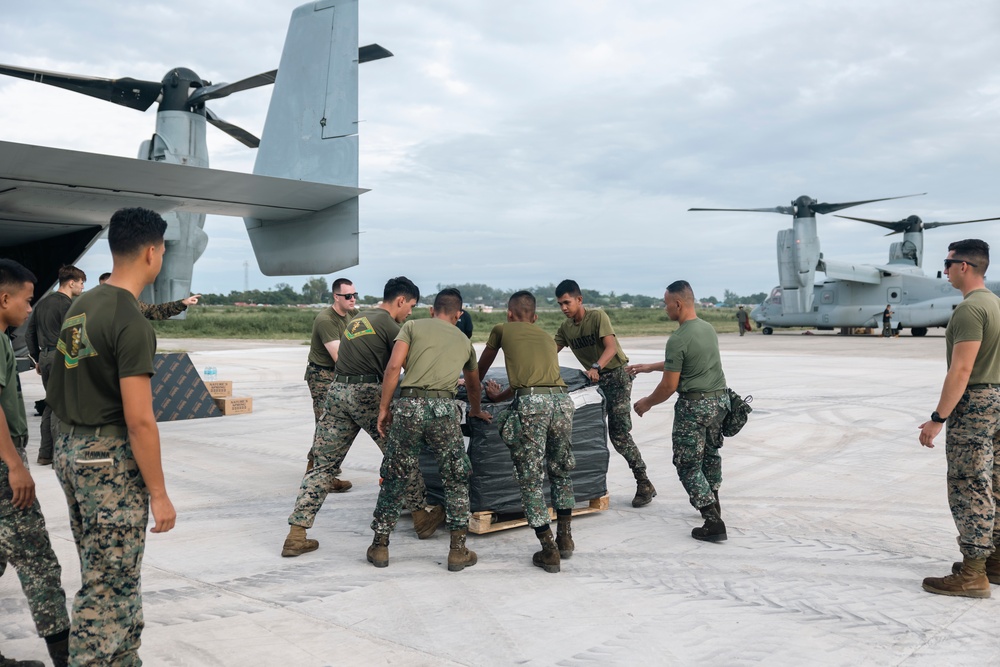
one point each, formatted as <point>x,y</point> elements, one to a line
<point>296,323</point>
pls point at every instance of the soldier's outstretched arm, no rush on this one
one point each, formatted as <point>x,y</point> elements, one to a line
<point>633,369</point>
<point>664,390</point>
<point>144,437</point>
<point>486,360</point>
<point>390,380</point>
<point>18,475</point>
<point>475,393</point>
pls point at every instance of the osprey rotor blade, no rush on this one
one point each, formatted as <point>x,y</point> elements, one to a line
<point>897,227</point>
<point>932,225</point>
<point>235,131</point>
<point>127,92</point>
<point>371,52</point>
<point>206,93</point>
<point>786,210</point>
<point>830,208</point>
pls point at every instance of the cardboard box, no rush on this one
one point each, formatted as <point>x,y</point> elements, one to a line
<point>220,388</point>
<point>235,405</point>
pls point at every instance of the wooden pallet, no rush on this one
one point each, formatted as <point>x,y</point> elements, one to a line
<point>481,523</point>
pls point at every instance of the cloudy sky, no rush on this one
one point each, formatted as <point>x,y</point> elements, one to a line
<point>520,143</point>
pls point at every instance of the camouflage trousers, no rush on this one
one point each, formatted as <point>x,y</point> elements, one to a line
<point>349,408</point>
<point>319,381</point>
<point>972,447</point>
<point>697,437</point>
<point>108,512</point>
<point>24,543</point>
<point>50,423</point>
<point>616,385</point>
<point>416,423</point>
<point>537,429</point>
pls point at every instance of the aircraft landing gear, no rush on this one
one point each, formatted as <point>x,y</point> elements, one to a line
<point>767,331</point>
<point>918,331</point>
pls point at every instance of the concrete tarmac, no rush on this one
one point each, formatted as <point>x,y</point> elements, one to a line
<point>834,512</point>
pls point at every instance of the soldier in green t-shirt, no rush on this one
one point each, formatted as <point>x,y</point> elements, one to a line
<point>591,337</point>
<point>434,352</point>
<point>24,542</point>
<point>692,367</point>
<point>970,405</point>
<point>108,451</point>
<point>538,424</point>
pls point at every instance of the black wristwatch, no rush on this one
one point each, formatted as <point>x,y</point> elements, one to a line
<point>596,367</point>
<point>938,419</point>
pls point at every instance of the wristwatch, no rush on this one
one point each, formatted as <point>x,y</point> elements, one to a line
<point>596,367</point>
<point>938,419</point>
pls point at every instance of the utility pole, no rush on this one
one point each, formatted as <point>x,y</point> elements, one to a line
<point>246,276</point>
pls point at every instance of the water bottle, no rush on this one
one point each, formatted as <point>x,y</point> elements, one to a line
<point>210,374</point>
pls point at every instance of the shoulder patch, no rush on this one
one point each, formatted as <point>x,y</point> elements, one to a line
<point>78,347</point>
<point>359,327</point>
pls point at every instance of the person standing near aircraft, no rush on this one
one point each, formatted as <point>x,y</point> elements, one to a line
<point>742,320</point>
<point>592,338</point>
<point>352,404</point>
<point>108,451</point>
<point>693,368</point>
<point>970,405</point>
<point>160,311</point>
<point>42,334</point>
<point>887,321</point>
<point>537,426</point>
<point>24,541</point>
<point>327,328</point>
<point>434,352</point>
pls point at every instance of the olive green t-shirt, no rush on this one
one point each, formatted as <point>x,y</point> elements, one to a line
<point>693,350</point>
<point>586,339</point>
<point>366,344</point>
<point>10,392</point>
<point>328,326</point>
<point>977,318</point>
<point>438,354</point>
<point>104,338</point>
<point>529,354</point>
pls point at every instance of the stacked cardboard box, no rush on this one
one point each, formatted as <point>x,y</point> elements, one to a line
<point>222,394</point>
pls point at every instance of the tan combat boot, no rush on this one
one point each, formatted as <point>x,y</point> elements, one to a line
<point>970,581</point>
<point>548,557</point>
<point>992,568</point>
<point>459,557</point>
<point>296,543</point>
<point>644,490</point>
<point>564,538</point>
<point>427,520</point>
<point>378,552</point>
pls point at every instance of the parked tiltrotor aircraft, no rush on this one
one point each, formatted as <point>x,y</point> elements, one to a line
<point>853,295</point>
<point>300,205</point>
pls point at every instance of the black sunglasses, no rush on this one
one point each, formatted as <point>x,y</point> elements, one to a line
<point>948,263</point>
<point>352,295</point>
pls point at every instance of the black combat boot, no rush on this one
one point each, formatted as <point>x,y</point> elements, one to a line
<point>718,507</point>
<point>548,557</point>
<point>564,538</point>
<point>459,556</point>
<point>11,662</point>
<point>714,529</point>
<point>644,490</point>
<point>58,646</point>
<point>378,552</point>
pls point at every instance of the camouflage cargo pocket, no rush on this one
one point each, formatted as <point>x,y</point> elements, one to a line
<point>509,426</point>
<point>457,465</point>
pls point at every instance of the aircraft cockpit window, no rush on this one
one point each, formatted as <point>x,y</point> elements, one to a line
<point>775,297</point>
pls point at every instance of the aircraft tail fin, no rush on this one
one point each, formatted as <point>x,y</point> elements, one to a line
<point>311,134</point>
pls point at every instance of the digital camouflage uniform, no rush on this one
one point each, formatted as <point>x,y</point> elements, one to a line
<point>318,379</point>
<point>586,340</point>
<point>702,404</point>
<point>161,311</point>
<point>972,440</point>
<point>24,541</point>
<point>104,338</point>
<point>40,336</point>
<point>328,326</point>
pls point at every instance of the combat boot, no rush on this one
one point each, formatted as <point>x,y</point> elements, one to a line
<point>992,568</point>
<point>714,529</point>
<point>564,538</point>
<point>970,581</point>
<point>460,557</point>
<point>11,662</point>
<point>296,543</point>
<point>644,491</point>
<point>378,552</point>
<point>59,652</point>
<point>427,520</point>
<point>341,485</point>
<point>548,557</point>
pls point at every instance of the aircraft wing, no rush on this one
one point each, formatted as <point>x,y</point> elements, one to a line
<point>859,273</point>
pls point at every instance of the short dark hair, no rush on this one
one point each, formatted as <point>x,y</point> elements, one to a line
<point>132,229</point>
<point>975,251</point>
<point>448,301</point>
<point>104,276</point>
<point>338,283</point>
<point>522,304</point>
<point>568,287</point>
<point>682,288</point>
<point>14,275</point>
<point>400,286</point>
<point>69,273</point>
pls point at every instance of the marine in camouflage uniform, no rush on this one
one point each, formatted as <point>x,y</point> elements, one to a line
<point>24,540</point>
<point>692,367</point>
<point>589,334</point>
<point>434,352</point>
<point>971,407</point>
<point>538,424</point>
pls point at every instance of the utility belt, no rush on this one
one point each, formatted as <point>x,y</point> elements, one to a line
<point>357,379</point>
<point>701,395</point>
<point>983,386</point>
<point>414,392</point>
<point>106,431</point>
<point>529,391</point>
<point>320,367</point>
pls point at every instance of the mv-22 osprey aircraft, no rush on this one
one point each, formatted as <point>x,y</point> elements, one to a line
<point>300,205</point>
<point>853,295</point>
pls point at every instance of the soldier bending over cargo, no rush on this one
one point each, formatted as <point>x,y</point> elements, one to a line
<point>538,424</point>
<point>434,352</point>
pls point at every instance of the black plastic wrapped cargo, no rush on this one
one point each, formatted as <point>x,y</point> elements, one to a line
<point>493,486</point>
